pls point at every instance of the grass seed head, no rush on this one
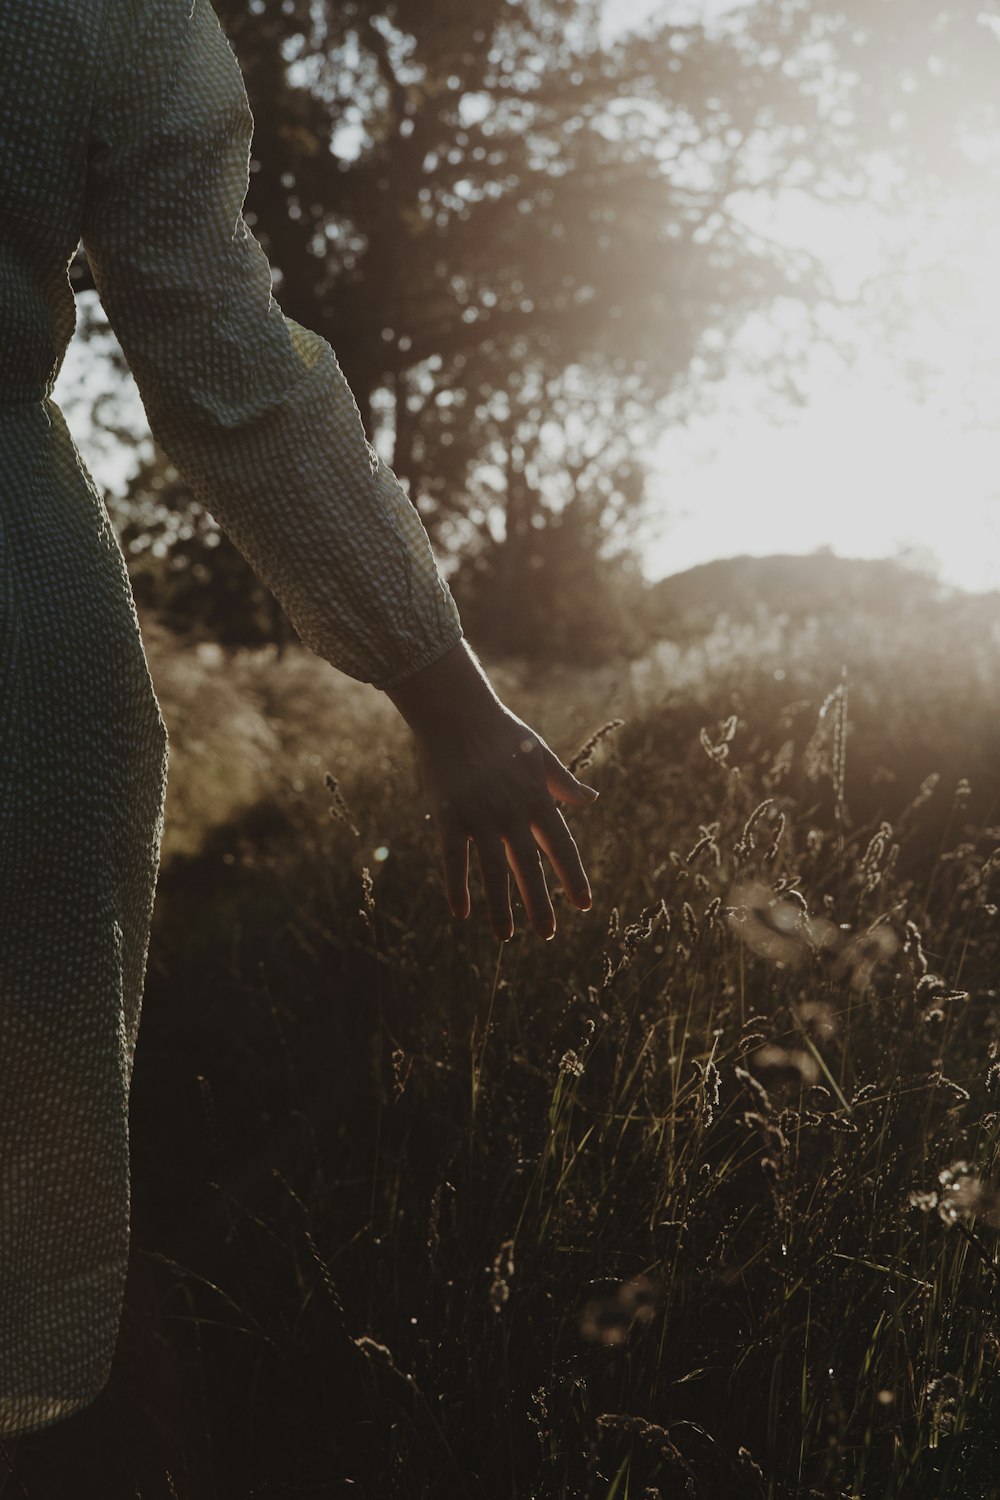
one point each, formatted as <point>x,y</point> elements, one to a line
<point>502,1272</point>
<point>870,869</point>
<point>367,909</point>
<point>745,843</point>
<point>583,757</point>
<point>338,807</point>
<point>913,947</point>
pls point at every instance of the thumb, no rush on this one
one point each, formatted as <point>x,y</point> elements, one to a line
<point>564,785</point>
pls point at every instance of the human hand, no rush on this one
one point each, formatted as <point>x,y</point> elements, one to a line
<point>491,780</point>
<point>494,787</point>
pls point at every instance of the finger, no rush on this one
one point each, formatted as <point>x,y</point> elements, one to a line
<point>496,885</point>
<point>558,843</point>
<point>563,784</point>
<point>455,855</point>
<point>526,863</point>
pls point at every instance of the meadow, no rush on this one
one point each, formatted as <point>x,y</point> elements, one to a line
<point>700,1199</point>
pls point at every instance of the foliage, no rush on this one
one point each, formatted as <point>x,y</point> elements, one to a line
<point>699,1199</point>
<point>521,243</point>
<point>533,250</point>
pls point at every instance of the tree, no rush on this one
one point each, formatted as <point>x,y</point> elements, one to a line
<point>516,233</point>
<point>517,195</point>
<point>509,231</point>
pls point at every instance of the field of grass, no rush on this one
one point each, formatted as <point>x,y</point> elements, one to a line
<point>700,1199</point>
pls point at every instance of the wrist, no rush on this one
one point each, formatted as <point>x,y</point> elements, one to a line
<point>452,692</point>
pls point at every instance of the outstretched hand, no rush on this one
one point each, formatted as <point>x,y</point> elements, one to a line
<point>494,786</point>
<point>492,780</point>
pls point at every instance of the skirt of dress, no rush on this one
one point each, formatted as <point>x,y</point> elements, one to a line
<point>83,761</point>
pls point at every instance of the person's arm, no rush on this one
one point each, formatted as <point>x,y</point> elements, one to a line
<point>257,417</point>
<point>252,408</point>
<point>492,779</point>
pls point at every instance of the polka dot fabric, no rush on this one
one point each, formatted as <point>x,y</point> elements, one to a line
<point>125,123</point>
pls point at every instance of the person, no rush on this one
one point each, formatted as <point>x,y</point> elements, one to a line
<point>125,124</point>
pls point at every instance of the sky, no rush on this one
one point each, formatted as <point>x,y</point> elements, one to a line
<point>862,465</point>
<point>861,468</point>
<point>621,14</point>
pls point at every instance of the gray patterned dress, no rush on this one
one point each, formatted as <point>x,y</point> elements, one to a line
<point>125,123</point>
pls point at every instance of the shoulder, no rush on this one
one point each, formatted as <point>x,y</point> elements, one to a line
<point>167,74</point>
<point>35,24</point>
<point>50,59</point>
<point>154,30</point>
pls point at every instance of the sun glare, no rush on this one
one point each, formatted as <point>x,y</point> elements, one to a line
<point>893,450</point>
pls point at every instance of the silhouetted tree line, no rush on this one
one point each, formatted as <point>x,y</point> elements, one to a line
<point>529,251</point>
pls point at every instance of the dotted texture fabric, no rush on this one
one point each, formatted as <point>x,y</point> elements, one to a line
<point>125,123</point>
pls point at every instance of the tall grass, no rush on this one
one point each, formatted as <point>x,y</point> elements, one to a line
<point>699,1199</point>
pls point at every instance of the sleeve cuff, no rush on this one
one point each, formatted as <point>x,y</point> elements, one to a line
<point>432,653</point>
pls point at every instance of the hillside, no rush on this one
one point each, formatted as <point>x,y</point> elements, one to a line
<point>684,606</point>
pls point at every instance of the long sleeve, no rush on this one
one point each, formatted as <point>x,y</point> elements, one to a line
<point>252,409</point>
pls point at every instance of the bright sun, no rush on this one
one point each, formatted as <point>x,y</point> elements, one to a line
<point>897,452</point>
<point>900,452</point>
